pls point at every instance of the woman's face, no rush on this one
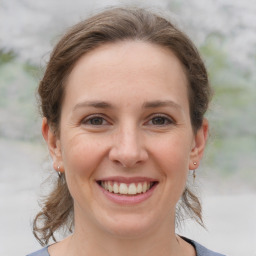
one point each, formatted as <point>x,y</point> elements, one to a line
<point>126,142</point>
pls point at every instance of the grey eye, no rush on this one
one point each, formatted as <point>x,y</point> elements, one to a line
<point>96,121</point>
<point>160,120</point>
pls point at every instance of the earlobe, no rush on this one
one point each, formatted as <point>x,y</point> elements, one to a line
<point>199,145</point>
<point>53,143</point>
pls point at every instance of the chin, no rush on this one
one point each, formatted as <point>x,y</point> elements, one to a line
<point>129,227</point>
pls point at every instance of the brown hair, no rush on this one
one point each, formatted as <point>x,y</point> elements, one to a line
<point>113,25</point>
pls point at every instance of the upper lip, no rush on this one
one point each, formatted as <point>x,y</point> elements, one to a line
<point>128,180</point>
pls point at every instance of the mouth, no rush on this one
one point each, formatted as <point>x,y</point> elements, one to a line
<point>127,189</point>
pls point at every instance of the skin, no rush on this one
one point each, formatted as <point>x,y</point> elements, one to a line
<point>142,129</point>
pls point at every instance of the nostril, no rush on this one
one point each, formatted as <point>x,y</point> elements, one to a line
<point>117,162</point>
<point>127,163</point>
<point>128,155</point>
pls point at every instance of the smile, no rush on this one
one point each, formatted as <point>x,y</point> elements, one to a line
<point>127,189</point>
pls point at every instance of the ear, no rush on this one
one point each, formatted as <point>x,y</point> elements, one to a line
<point>54,146</point>
<point>197,150</point>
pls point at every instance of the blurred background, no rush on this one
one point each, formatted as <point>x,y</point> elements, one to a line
<point>225,33</point>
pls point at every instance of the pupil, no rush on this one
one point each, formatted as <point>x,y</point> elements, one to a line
<point>158,120</point>
<point>96,121</point>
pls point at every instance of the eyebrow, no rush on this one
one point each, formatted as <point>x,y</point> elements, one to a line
<point>95,104</point>
<point>149,104</point>
<point>161,103</point>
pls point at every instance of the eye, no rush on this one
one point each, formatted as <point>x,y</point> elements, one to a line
<point>160,120</point>
<point>94,121</point>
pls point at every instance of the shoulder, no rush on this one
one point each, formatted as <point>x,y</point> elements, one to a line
<point>201,250</point>
<point>42,252</point>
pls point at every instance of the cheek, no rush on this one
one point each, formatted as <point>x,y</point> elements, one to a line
<point>174,166</point>
<point>81,156</point>
<point>173,158</point>
<point>174,153</point>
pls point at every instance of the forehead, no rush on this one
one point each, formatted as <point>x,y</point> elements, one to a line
<point>129,67</point>
<point>144,54</point>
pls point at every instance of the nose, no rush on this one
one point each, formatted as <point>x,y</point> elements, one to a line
<point>127,148</point>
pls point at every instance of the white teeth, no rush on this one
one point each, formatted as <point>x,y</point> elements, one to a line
<point>115,188</point>
<point>132,189</point>
<point>139,188</point>
<point>109,187</point>
<point>144,187</point>
<point>124,189</point>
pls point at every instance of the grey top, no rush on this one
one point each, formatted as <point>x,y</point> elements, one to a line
<point>200,250</point>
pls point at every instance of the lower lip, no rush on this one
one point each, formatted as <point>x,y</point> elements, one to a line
<point>128,200</point>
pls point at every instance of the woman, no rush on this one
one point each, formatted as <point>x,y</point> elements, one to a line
<point>123,100</point>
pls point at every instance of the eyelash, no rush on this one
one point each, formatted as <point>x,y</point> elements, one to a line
<point>167,120</point>
<point>86,120</point>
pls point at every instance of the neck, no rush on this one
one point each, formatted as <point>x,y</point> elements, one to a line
<point>87,240</point>
<point>151,246</point>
